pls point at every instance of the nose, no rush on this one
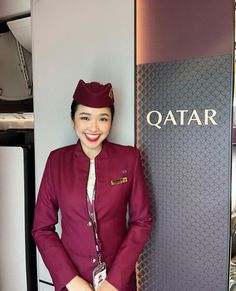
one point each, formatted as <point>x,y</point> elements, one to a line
<point>93,126</point>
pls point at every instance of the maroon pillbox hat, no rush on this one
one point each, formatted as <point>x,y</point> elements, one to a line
<point>94,94</point>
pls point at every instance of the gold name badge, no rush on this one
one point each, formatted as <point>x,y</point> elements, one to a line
<point>119,181</point>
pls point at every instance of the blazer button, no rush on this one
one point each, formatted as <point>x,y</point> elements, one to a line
<point>94,260</point>
<point>89,223</point>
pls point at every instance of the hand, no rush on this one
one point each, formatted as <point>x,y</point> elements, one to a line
<point>106,286</point>
<point>79,284</point>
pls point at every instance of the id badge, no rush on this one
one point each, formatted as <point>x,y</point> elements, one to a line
<point>99,275</point>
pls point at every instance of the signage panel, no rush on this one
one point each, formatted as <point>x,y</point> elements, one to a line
<point>184,134</point>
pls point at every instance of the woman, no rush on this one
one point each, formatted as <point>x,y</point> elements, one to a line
<point>92,183</point>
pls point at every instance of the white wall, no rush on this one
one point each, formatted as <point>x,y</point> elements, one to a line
<point>80,39</point>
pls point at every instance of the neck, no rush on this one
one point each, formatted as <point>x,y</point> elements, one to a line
<point>92,153</point>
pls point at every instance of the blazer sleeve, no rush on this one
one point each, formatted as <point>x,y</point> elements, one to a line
<point>46,238</point>
<point>139,229</point>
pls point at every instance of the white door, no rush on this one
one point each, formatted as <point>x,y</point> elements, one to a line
<point>12,220</point>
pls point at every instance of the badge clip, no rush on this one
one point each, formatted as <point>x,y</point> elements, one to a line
<point>99,275</point>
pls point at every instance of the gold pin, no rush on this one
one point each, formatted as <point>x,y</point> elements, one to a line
<point>119,181</point>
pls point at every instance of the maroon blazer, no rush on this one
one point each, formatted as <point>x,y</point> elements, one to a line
<point>63,187</point>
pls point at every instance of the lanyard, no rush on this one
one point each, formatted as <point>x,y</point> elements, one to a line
<point>92,215</point>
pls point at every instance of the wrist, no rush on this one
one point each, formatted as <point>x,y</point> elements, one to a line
<point>72,283</point>
<point>78,283</point>
<point>106,284</point>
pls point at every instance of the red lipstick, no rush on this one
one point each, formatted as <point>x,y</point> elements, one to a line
<point>92,137</point>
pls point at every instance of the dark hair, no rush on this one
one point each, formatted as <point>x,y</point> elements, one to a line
<point>75,104</point>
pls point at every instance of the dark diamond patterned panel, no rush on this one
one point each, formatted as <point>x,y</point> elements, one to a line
<point>187,168</point>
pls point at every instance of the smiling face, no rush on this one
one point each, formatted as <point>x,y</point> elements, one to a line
<point>92,126</point>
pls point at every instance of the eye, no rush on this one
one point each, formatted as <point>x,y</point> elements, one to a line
<point>84,118</point>
<point>104,119</point>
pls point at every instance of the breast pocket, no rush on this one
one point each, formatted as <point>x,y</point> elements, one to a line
<point>113,191</point>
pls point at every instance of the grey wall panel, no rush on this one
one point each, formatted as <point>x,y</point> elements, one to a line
<point>188,171</point>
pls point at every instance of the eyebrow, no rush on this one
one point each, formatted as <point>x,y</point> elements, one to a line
<point>88,114</point>
<point>84,113</point>
<point>104,114</point>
